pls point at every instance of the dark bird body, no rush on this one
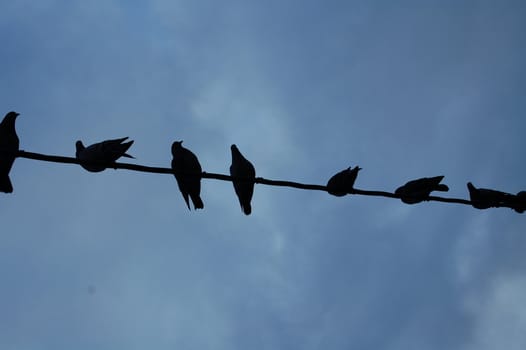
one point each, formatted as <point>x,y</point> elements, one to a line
<point>518,202</point>
<point>187,171</point>
<point>9,145</point>
<point>484,198</point>
<point>102,155</point>
<point>416,191</point>
<point>342,183</point>
<point>245,173</point>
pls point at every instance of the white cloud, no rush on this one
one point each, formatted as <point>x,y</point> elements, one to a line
<point>500,315</point>
<point>471,249</point>
<point>249,116</point>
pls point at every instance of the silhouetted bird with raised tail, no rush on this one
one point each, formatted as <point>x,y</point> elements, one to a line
<point>9,145</point>
<point>484,198</point>
<point>342,183</point>
<point>245,173</point>
<point>187,171</point>
<point>102,155</point>
<point>416,191</point>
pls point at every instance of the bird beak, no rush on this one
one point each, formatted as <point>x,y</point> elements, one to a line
<point>17,114</point>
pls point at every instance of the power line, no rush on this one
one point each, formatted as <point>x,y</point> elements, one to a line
<point>258,180</point>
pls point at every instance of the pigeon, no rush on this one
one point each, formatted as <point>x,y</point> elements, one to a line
<point>342,183</point>
<point>187,171</point>
<point>9,145</point>
<point>483,198</point>
<point>418,190</point>
<point>101,155</point>
<point>242,169</point>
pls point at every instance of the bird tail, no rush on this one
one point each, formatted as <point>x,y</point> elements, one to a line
<point>5,184</point>
<point>246,208</point>
<point>442,187</point>
<point>186,200</point>
<point>125,147</point>
<point>198,202</point>
<point>119,140</point>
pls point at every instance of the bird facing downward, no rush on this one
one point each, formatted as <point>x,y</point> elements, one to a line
<point>342,183</point>
<point>102,155</point>
<point>9,145</point>
<point>187,171</point>
<point>244,172</point>
<point>484,198</point>
<point>416,191</point>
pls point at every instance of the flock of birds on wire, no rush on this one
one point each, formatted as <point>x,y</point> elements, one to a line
<point>187,171</point>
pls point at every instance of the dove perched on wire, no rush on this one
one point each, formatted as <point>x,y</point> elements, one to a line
<point>187,171</point>
<point>245,173</point>
<point>416,191</point>
<point>342,183</point>
<point>9,144</point>
<point>102,155</point>
<point>483,198</point>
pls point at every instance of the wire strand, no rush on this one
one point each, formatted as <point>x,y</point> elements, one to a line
<point>222,177</point>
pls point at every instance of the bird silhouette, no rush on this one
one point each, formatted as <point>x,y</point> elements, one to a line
<point>101,155</point>
<point>484,198</point>
<point>245,173</point>
<point>416,191</point>
<point>187,171</point>
<point>9,144</point>
<point>342,183</point>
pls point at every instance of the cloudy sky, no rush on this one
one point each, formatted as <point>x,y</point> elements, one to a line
<point>405,89</point>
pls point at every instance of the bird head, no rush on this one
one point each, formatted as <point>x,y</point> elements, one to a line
<point>176,145</point>
<point>234,149</point>
<point>10,118</point>
<point>79,146</point>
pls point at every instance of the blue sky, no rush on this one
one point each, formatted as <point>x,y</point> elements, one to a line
<point>305,89</point>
